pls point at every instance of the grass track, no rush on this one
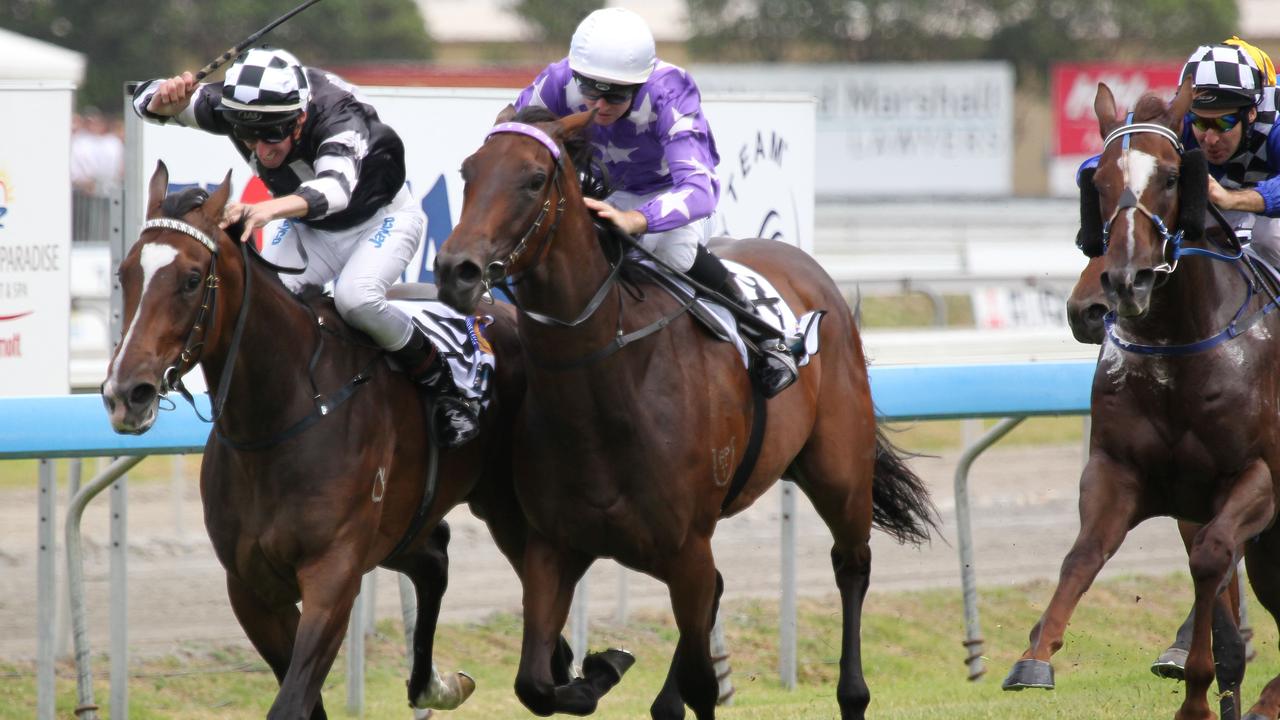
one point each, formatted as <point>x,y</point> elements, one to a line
<point>913,660</point>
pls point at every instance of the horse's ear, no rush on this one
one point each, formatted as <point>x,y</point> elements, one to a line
<point>157,189</point>
<point>217,202</point>
<point>1181,105</point>
<point>1104,106</point>
<point>573,125</point>
<point>507,113</point>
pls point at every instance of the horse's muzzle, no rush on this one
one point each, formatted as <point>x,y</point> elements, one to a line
<point>459,280</point>
<point>131,407</point>
<point>1129,290</point>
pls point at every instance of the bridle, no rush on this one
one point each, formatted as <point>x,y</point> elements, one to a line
<point>498,272</point>
<point>171,379</point>
<point>1129,199</point>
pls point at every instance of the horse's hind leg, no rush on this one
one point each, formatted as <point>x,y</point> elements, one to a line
<point>269,627</point>
<point>1108,508</point>
<point>1248,509</point>
<point>428,569</point>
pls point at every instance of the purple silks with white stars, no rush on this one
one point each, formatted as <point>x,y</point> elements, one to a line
<point>662,145</point>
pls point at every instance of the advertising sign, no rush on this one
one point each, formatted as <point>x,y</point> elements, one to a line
<point>766,149</point>
<point>35,238</point>
<point>887,129</point>
<point>1074,87</point>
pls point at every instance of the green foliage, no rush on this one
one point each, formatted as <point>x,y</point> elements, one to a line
<point>1032,34</point>
<point>555,20</point>
<point>144,39</point>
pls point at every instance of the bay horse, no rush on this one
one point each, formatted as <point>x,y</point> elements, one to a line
<point>1183,402</point>
<point>630,454</point>
<point>299,510</point>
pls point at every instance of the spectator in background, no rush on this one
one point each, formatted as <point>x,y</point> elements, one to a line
<point>97,154</point>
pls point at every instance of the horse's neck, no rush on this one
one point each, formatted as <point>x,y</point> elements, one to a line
<point>563,284</point>
<point>269,366</point>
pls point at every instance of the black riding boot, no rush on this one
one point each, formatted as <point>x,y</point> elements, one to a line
<point>454,420</point>
<point>775,365</point>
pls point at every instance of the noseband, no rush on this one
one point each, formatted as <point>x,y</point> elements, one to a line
<point>1129,199</point>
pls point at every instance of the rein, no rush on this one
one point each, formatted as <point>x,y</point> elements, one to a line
<point>171,379</point>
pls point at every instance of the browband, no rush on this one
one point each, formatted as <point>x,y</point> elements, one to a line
<point>182,227</point>
<point>531,131</point>
<point>1136,128</point>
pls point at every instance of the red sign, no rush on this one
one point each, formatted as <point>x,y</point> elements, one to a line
<point>1074,86</point>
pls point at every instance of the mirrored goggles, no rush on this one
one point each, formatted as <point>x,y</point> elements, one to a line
<point>613,97</point>
<point>1222,124</point>
<point>266,133</point>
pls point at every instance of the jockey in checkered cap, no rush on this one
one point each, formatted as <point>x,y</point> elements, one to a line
<point>336,174</point>
<point>1232,119</point>
<point>656,147</point>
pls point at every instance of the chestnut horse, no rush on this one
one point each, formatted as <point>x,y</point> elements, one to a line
<point>1183,402</point>
<point>635,418</point>
<point>318,465</point>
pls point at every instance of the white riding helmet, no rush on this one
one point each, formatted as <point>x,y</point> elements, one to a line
<point>613,45</point>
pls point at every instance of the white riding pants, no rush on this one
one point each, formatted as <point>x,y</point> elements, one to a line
<point>362,261</point>
<point>676,247</point>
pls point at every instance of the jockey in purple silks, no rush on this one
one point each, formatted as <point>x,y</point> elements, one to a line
<point>651,137</point>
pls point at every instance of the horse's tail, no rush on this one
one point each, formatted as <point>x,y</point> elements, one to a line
<point>901,505</point>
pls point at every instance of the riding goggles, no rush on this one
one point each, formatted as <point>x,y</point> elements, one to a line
<point>1220,124</point>
<point>266,133</point>
<point>612,93</point>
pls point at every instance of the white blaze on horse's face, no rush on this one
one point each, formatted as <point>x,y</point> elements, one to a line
<point>1137,168</point>
<point>153,258</point>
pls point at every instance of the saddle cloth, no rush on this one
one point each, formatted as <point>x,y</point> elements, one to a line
<point>801,334</point>
<point>460,339</point>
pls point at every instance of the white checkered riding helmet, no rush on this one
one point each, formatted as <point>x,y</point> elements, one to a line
<point>265,86</point>
<point>1225,77</point>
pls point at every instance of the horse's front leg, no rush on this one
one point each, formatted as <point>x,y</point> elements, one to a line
<point>1108,507</point>
<point>329,587</point>
<point>1249,508</point>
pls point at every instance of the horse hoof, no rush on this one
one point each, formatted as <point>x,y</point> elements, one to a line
<point>1029,673</point>
<point>1171,664</point>
<point>607,666</point>
<point>445,693</point>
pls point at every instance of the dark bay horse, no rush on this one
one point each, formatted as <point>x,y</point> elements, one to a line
<point>296,512</point>
<point>1184,402</point>
<point>630,454</point>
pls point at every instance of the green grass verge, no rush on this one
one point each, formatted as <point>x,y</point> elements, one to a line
<point>912,657</point>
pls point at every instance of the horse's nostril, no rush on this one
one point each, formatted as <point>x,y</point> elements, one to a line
<point>1144,278</point>
<point>142,394</point>
<point>1095,312</point>
<point>468,273</point>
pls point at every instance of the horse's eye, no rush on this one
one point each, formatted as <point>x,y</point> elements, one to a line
<point>191,282</point>
<point>537,181</point>
<point>1172,181</point>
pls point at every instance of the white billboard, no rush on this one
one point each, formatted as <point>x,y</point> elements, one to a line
<point>938,129</point>
<point>35,237</point>
<point>766,147</point>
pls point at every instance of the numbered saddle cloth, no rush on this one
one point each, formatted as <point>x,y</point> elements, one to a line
<point>460,339</point>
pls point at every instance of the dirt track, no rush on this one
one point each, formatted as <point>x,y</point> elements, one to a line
<point>1024,521</point>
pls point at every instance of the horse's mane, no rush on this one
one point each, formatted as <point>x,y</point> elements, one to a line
<point>1149,107</point>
